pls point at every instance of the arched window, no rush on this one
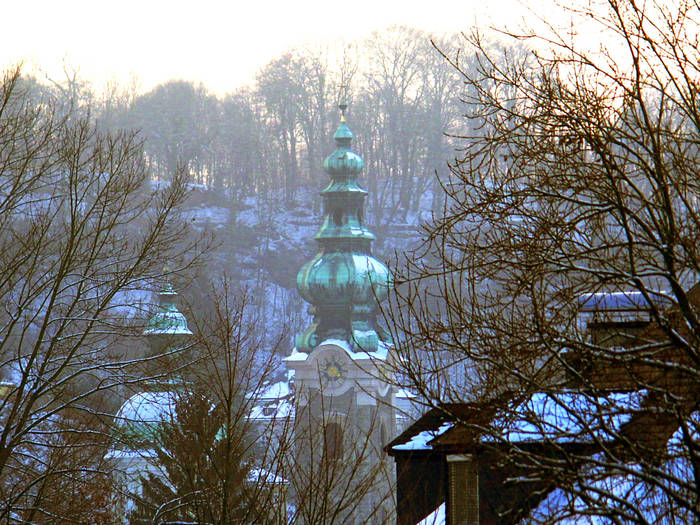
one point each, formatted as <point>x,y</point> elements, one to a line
<point>333,442</point>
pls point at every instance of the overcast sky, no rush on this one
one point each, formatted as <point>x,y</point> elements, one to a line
<point>220,43</point>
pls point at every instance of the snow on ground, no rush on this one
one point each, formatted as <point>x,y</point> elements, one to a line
<point>264,244</point>
<point>207,215</point>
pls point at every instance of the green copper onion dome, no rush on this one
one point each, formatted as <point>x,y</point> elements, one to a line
<point>167,320</point>
<point>167,327</point>
<point>343,162</point>
<point>343,282</point>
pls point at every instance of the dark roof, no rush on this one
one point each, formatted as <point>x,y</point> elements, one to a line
<point>433,424</point>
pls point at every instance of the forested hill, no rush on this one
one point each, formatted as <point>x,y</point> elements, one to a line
<point>272,137</point>
<point>254,157</point>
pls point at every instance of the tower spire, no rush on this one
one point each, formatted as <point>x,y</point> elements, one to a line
<point>343,282</point>
<point>167,326</point>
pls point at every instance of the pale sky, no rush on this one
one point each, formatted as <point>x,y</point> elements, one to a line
<point>220,43</point>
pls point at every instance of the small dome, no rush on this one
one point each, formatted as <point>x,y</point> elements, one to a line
<point>343,162</point>
<point>140,418</point>
<point>167,321</point>
<point>343,132</point>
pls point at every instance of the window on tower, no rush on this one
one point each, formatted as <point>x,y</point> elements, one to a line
<point>333,442</point>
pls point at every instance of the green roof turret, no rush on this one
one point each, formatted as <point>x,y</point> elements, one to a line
<point>167,327</point>
<point>343,282</point>
<point>167,320</point>
<point>343,162</point>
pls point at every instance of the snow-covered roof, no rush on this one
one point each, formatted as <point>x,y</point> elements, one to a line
<point>277,390</point>
<point>560,417</point>
<point>168,331</point>
<point>261,475</point>
<point>568,416</point>
<point>296,356</point>
<point>623,487</point>
<point>140,417</point>
<point>404,393</point>
<point>380,353</point>
<point>266,411</point>
<point>121,454</point>
<point>437,517</point>
<point>168,320</point>
<point>618,301</point>
<point>148,407</point>
<point>421,441</point>
<point>273,402</point>
<point>342,343</point>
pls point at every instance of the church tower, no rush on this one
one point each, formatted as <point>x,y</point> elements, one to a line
<point>138,420</point>
<point>344,400</point>
<point>166,332</point>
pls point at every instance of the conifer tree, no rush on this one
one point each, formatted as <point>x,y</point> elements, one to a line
<point>204,466</point>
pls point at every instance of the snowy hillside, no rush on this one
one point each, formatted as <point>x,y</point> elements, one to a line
<point>261,245</point>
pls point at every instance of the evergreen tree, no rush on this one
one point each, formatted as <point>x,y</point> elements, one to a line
<point>204,468</point>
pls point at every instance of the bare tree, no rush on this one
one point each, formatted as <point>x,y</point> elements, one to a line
<point>80,231</point>
<point>576,196</point>
<point>234,445</point>
<point>178,120</point>
<point>281,88</point>
<point>336,466</point>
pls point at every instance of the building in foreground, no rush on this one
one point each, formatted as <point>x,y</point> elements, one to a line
<point>548,456</point>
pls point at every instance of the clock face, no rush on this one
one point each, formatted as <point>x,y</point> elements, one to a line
<point>334,368</point>
<point>333,371</point>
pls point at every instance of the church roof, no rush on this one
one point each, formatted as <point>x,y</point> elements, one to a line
<point>381,352</point>
<point>140,418</point>
<point>344,280</point>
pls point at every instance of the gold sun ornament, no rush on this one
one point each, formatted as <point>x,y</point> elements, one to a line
<point>333,371</point>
